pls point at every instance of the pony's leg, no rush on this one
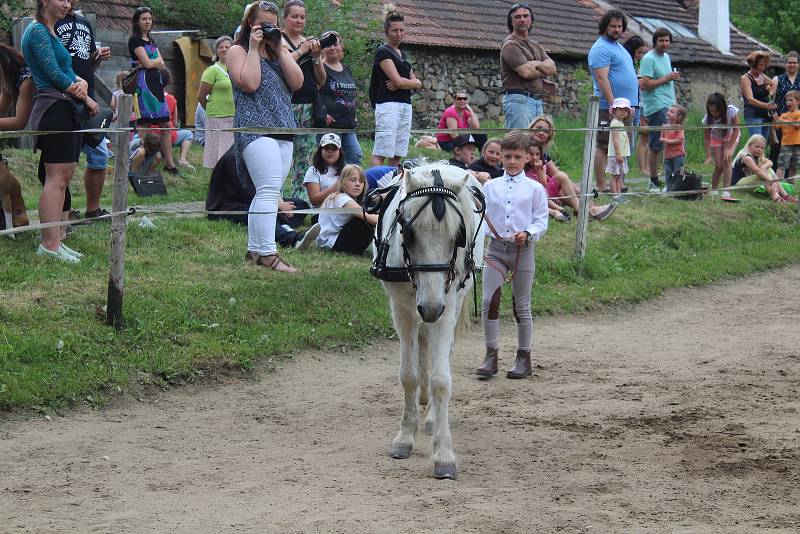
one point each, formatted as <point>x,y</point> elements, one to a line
<point>424,376</point>
<point>441,340</point>
<point>405,323</point>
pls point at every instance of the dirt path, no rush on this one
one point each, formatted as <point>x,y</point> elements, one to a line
<point>677,415</point>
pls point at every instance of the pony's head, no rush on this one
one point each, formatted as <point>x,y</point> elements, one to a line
<point>436,226</point>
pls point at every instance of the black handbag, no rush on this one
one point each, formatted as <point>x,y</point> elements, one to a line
<point>101,120</point>
<point>129,81</point>
<point>683,180</point>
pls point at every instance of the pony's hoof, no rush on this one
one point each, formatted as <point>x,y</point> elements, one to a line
<point>441,471</point>
<point>428,428</point>
<point>400,452</point>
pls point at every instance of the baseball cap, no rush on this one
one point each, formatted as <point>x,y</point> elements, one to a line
<point>331,139</point>
<point>463,140</point>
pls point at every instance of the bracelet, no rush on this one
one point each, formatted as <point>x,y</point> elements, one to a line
<point>315,61</point>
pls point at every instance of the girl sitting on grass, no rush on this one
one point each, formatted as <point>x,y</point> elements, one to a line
<point>328,161</point>
<point>344,232</point>
<point>721,140</point>
<point>750,167</point>
<point>536,170</point>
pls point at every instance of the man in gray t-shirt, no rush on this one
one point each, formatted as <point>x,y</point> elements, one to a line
<point>523,65</point>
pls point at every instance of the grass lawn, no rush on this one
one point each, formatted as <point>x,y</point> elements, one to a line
<point>193,306</point>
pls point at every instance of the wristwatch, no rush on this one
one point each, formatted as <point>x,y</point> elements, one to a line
<point>315,61</point>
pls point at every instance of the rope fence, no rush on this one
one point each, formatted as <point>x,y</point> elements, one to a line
<point>121,212</point>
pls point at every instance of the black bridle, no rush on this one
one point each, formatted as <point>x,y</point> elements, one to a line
<point>439,197</point>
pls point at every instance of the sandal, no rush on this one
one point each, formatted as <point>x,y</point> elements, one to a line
<point>274,262</point>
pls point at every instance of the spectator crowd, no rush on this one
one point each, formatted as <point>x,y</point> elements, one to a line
<point>271,74</point>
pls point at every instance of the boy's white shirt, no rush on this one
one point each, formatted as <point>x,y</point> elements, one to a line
<point>515,203</point>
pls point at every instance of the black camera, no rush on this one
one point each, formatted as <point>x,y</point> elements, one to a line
<point>328,39</point>
<point>271,32</point>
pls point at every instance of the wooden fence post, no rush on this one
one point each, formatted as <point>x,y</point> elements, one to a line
<point>589,145</point>
<point>116,275</point>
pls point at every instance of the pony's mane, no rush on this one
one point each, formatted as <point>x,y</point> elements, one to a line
<point>454,179</point>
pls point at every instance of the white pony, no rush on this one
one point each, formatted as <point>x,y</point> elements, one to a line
<point>425,242</point>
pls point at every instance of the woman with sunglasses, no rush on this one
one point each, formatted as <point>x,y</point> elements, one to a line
<point>56,107</point>
<point>150,103</point>
<point>306,51</point>
<point>264,75</point>
<point>458,116</point>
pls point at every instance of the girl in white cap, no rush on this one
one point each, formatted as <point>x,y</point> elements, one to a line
<point>619,148</point>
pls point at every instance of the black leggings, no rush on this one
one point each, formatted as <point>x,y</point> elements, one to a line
<point>354,237</point>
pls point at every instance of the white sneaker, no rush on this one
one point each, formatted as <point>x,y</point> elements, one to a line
<point>725,194</point>
<point>59,254</point>
<point>653,188</point>
<point>72,252</point>
<point>309,237</point>
<point>715,193</point>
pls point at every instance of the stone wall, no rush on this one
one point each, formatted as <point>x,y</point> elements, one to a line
<point>444,70</point>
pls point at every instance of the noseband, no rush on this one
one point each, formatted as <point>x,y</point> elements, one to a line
<point>439,197</point>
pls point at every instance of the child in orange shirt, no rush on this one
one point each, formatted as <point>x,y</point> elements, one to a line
<point>790,140</point>
<point>673,140</point>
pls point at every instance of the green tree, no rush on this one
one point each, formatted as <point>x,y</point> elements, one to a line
<point>774,22</point>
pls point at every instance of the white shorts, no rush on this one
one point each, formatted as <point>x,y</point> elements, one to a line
<point>392,129</point>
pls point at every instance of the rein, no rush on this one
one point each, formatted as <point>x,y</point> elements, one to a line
<point>507,278</point>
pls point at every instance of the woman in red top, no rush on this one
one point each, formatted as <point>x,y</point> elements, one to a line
<point>458,116</point>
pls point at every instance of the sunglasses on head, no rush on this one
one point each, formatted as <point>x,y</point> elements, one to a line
<point>267,6</point>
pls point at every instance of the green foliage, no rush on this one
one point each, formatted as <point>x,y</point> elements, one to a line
<point>772,21</point>
<point>9,10</point>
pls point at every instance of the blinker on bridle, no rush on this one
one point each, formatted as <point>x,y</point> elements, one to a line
<point>439,197</point>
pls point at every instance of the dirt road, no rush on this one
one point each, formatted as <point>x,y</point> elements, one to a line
<point>676,415</point>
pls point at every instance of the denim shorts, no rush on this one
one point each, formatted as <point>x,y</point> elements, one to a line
<point>659,118</point>
<point>183,135</point>
<point>96,156</point>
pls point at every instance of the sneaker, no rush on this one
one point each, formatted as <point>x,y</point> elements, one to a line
<point>71,252</point>
<point>95,213</point>
<point>59,254</point>
<point>616,199</point>
<point>606,213</point>
<point>653,187</point>
<point>172,170</point>
<point>725,194</point>
<point>715,194</point>
<point>309,237</point>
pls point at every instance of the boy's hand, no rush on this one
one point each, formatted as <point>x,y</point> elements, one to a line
<point>520,238</point>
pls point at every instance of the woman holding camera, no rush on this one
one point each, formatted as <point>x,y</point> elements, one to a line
<point>392,81</point>
<point>339,93</point>
<point>306,52</point>
<point>60,94</point>
<point>264,74</point>
<point>150,103</point>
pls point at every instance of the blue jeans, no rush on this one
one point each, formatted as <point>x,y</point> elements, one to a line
<point>670,166</point>
<point>96,156</point>
<point>351,148</point>
<point>520,110</point>
<point>761,130</point>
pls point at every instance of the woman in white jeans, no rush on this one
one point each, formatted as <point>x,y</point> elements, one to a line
<point>264,76</point>
<point>392,81</point>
